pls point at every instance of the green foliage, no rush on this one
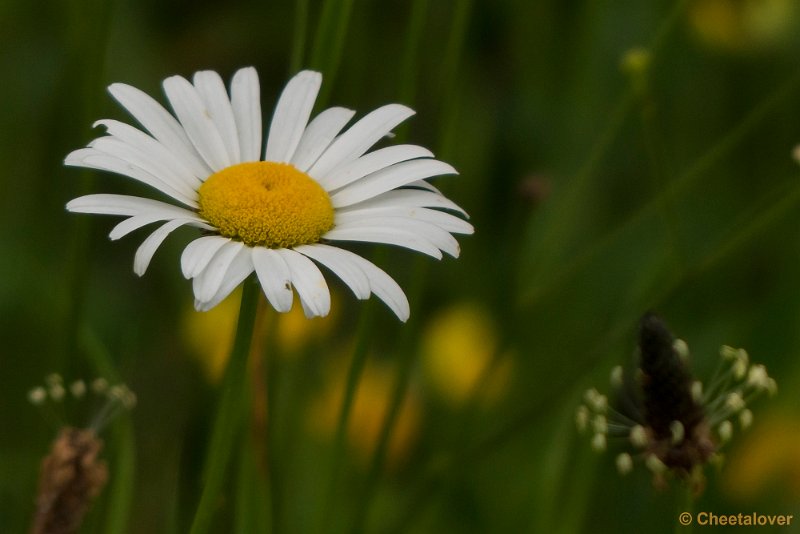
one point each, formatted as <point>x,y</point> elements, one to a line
<point>600,184</point>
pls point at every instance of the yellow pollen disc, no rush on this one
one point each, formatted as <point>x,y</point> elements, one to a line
<point>266,204</point>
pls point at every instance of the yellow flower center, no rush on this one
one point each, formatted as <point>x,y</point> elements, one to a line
<point>266,204</point>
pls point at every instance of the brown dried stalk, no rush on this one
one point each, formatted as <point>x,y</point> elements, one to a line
<point>71,478</point>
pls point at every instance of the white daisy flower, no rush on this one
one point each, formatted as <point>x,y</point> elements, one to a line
<point>314,187</point>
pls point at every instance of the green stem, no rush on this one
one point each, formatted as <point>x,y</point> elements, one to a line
<point>685,505</point>
<point>231,411</point>
<point>299,35</point>
<point>122,485</point>
<point>276,453</point>
<point>124,466</point>
<point>409,69</point>
<point>329,42</point>
<point>251,514</point>
<point>89,24</point>
<point>695,171</point>
<point>450,61</point>
<point>562,218</point>
<point>364,337</point>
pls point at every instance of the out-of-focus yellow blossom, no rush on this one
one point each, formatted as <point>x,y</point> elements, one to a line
<point>295,331</point>
<point>743,25</point>
<point>367,414</point>
<point>457,346</point>
<point>209,335</point>
<point>768,457</point>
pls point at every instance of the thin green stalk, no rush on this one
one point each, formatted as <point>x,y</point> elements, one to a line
<point>276,458</point>
<point>88,38</point>
<point>450,64</point>
<point>438,473</point>
<point>122,481</point>
<point>684,513</point>
<point>120,494</point>
<point>658,173</point>
<point>409,68</point>
<point>231,411</point>
<point>364,338</point>
<point>408,354</point>
<point>563,219</point>
<point>299,35</point>
<point>695,171</point>
<point>329,42</point>
<point>251,492</point>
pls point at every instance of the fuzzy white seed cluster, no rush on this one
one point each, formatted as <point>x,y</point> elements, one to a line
<point>724,397</point>
<point>736,385</point>
<point>52,396</point>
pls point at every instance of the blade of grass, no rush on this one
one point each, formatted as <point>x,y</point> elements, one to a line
<point>89,25</point>
<point>231,410</point>
<point>695,171</point>
<point>120,494</point>
<point>299,36</point>
<point>359,359</point>
<point>561,218</point>
<point>329,42</point>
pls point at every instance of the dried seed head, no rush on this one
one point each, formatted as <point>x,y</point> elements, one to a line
<point>71,478</point>
<point>667,385</point>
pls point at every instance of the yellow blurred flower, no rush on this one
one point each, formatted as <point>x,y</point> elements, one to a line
<point>742,25</point>
<point>209,335</point>
<point>457,346</point>
<point>367,414</point>
<point>768,457</point>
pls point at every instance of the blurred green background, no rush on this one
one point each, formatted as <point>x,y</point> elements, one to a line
<point>601,183</point>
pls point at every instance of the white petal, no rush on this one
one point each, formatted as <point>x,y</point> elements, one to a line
<point>104,204</point>
<point>148,145</point>
<point>318,136</point>
<point>199,252</point>
<point>388,179</point>
<point>196,120</point>
<point>146,250</point>
<point>160,124</point>
<point>239,269</point>
<point>372,162</point>
<point>149,162</point>
<point>309,283</point>
<point>443,220</point>
<point>359,138</point>
<point>389,236</point>
<point>340,263</point>
<point>422,184</point>
<point>143,219</point>
<point>94,159</point>
<point>246,103</point>
<point>208,282</point>
<point>211,89</point>
<point>275,278</point>
<point>407,198</point>
<point>438,237</point>
<point>384,287</point>
<point>291,116</point>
